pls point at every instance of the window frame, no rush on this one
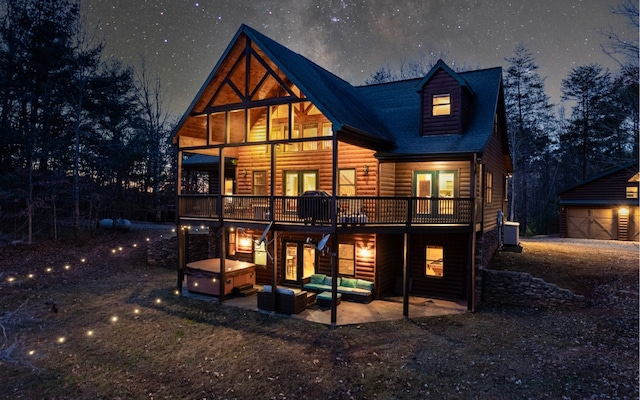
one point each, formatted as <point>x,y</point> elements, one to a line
<point>351,259</point>
<point>441,108</point>
<point>430,263</point>
<point>631,192</point>
<point>254,186</point>
<point>352,186</point>
<point>442,206</point>
<point>488,195</point>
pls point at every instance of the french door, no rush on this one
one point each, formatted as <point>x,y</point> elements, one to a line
<point>296,183</point>
<point>299,261</point>
<point>438,184</point>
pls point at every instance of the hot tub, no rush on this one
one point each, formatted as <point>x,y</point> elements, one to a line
<point>204,276</point>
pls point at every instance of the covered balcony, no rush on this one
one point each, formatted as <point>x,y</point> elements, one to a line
<point>321,210</point>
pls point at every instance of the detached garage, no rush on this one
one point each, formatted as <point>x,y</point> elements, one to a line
<point>604,207</point>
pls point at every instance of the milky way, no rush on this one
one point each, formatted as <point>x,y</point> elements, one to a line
<point>183,40</point>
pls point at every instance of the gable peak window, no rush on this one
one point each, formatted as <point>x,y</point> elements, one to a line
<point>441,104</point>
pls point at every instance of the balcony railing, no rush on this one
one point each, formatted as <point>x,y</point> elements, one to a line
<point>318,210</point>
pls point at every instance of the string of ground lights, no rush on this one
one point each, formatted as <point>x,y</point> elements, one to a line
<point>49,270</point>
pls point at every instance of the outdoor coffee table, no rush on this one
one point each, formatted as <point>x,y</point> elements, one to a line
<point>324,299</point>
<point>311,298</point>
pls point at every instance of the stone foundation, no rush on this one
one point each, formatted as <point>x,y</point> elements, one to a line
<point>487,244</point>
<point>522,289</point>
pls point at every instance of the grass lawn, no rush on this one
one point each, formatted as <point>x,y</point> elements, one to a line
<point>111,327</point>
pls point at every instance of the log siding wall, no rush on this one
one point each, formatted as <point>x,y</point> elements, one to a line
<point>258,158</point>
<point>443,83</point>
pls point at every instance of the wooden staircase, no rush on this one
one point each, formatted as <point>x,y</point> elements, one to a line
<point>244,290</point>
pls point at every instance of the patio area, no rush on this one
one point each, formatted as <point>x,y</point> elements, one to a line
<point>350,313</point>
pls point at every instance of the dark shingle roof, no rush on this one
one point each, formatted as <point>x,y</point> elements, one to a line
<point>336,98</point>
<point>387,114</point>
<point>398,104</point>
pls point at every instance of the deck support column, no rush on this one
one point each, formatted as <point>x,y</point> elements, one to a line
<point>274,270</point>
<point>183,249</point>
<point>223,256</point>
<point>334,280</point>
<point>476,170</point>
<point>405,275</point>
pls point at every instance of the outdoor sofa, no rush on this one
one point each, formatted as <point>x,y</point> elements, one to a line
<point>352,289</point>
<point>287,301</point>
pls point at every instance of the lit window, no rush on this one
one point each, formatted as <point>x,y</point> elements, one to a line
<point>441,104</point>
<point>346,259</point>
<point>435,261</point>
<point>632,192</point>
<point>347,182</point>
<point>489,191</point>
<point>260,183</point>
<point>309,130</point>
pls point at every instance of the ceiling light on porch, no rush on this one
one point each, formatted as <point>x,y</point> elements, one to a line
<point>623,211</point>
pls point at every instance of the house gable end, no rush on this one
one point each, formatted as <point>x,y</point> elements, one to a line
<point>256,71</point>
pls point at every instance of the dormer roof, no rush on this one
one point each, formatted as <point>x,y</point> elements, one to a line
<point>441,65</point>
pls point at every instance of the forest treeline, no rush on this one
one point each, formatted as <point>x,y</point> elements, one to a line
<point>86,137</point>
<point>83,137</point>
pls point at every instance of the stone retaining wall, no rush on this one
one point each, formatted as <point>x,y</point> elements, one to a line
<point>522,289</point>
<point>164,252</point>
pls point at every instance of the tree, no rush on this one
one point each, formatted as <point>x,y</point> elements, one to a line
<point>35,56</point>
<point>408,70</point>
<point>85,64</point>
<point>587,140</point>
<point>156,119</point>
<point>624,49</point>
<point>529,119</point>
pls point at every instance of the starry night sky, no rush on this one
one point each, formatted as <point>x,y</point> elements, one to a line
<point>183,39</point>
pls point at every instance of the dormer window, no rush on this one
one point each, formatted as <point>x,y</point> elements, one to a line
<point>441,104</point>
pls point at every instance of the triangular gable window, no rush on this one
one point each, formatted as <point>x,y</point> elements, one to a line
<point>227,94</point>
<point>252,77</point>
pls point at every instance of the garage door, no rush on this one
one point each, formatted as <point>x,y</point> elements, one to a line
<point>591,223</point>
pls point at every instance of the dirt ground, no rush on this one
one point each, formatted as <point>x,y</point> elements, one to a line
<point>90,319</point>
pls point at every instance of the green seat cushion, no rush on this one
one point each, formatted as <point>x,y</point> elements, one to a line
<point>327,281</point>
<point>348,282</point>
<point>364,284</point>
<point>317,279</point>
<point>326,296</point>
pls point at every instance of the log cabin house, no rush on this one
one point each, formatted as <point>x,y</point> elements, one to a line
<point>404,181</point>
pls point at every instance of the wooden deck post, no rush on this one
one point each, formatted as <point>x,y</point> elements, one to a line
<point>223,256</point>
<point>334,281</point>
<point>183,248</point>
<point>405,275</point>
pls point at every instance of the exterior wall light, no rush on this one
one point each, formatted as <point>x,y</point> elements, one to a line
<point>365,169</point>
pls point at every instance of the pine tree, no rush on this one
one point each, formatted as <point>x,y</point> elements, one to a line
<point>586,143</point>
<point>529,118</point>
